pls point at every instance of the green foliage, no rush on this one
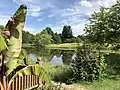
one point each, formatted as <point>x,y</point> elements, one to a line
<point>103,65</point>
<point>85,66</point>
<point>15,28</point>
<point>113,64</point>
<point>2,43</point>
<point>27,37</point>
<point>56,39</point>
<point>105,84</point>
<point>67,33</point>
<point>2,27</point>
<point>67,57</point>
<point>104,26</point>
<point>62,73</point>
<point>42,39</point>
<point>22,61</point>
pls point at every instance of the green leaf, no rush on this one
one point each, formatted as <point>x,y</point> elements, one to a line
<point>11,65</point>
<point>23,54</point>
<point>15,29</point>
<point>2,43</point>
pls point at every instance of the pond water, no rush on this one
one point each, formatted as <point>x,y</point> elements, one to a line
<point>66,56</point>
<point>52,55</point>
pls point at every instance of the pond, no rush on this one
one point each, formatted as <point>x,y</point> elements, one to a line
<point>64,57</point>
<point>57,57</point>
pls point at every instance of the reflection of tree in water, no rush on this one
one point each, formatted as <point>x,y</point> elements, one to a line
<point>56,52</point>
<point>47,54</point>
<point>67,56</point>
<point>113,63</point>
<point>41,53</point>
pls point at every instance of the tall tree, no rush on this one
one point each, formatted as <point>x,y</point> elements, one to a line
<point>49,31</point>
<point>27,37</point>
<point>104,27</point>
<point>42,39</point>
<point>56,38</point>
<point>67,33</point>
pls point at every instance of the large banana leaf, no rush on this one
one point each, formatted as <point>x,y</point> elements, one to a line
<point>2,43</point>
<point>15,27</point>
<point>14,63</point>
<point>34,70</point>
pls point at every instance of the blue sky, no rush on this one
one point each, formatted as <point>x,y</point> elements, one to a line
<point>53,13</point>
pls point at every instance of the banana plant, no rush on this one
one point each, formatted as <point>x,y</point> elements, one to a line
<point>13,57</point>
<point>15,27</point>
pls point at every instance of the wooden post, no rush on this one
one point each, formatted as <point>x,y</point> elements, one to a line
<point>25,82</point>
<point>13,84</point>
<point>30,80</point>
<point>19,84</point>
<point>22,83</point>
<point>16,81</point>
<point>35,80</point>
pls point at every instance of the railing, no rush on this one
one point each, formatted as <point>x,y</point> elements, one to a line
<point>27,82</point>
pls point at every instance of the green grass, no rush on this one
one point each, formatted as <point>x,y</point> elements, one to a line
<point>26,45</point>
<point>68,46</point>
<point>73,46</point>
<point>106,84</point>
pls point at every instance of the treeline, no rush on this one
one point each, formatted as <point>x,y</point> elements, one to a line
<point>47,36</point>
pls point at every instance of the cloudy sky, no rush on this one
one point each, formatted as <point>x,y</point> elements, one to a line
<point>53,13</point>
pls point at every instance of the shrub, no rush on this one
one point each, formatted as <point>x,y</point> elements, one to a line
<point>86,65</point>
<point>62,73</point>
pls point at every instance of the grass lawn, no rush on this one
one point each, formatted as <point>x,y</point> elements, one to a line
<point>63,46</point>
<point>106,84</point>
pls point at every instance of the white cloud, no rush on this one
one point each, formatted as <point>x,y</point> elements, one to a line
<point>35,14</point>
<point>48,25</point>
<point>34,9</point>
<point>31,30</point>
<point>39,19</point>
<point>51,15</point>
<point>85,3</point>
<point>78,14</point>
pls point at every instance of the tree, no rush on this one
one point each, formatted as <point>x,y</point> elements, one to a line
<point>66,33</point>
<point>56,38</point>
<point>104,27</point>
<point>42,39</point>
<point>2,27</point>
<point>49,31</point>
<point>27,37</point>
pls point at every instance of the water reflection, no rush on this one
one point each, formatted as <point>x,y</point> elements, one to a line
<point>57,60</point>
<point>51,55</point>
